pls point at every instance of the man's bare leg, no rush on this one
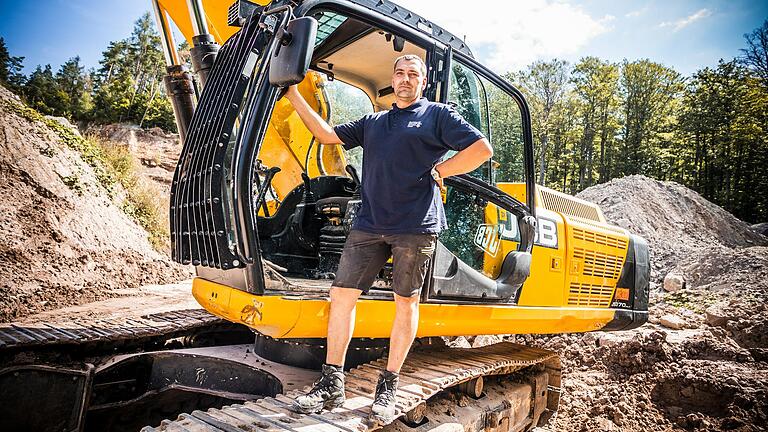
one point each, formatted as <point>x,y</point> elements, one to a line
<point>400,339</point>
<point>328,391</point>
<point>403,330</point>
<point>341,323</point>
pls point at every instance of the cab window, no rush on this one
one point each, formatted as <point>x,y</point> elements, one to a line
<point>348,103</point>
<point>496,114</point>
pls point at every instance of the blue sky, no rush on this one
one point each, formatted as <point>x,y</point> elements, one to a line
<point>684,34</point>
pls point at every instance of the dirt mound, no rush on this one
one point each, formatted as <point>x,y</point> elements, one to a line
<point>64,239</point>
<point>156,149</point>
<point>701,363</point>
<point>761,228</point>
<point>738,270</point>
<point>676,221</point>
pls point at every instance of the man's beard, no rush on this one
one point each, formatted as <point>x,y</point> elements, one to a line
<point>406,93</point>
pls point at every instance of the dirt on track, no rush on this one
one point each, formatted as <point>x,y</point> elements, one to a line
<point>701,363</point>
<point>64,239</point>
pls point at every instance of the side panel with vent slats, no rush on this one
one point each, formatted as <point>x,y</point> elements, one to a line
<point>594,263</point>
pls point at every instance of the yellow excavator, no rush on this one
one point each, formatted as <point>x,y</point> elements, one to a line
<point>262,210</point>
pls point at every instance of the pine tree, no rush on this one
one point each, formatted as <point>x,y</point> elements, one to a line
<point>10,69</point>
<point>74,82</point>
<point>42,92</point>
<point>128,83</point>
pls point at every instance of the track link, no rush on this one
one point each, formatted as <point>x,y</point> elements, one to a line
<point>424,374</point>
<point>83,331</point>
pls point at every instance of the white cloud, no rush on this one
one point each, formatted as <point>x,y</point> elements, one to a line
<point>636,13</point>
<point>685,22</point>
<point>517,33</point>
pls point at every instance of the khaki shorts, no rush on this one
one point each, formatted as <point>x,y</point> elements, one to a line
<point>366,253</point>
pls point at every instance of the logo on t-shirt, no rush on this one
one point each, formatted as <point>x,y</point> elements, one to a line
<point>416,124</point>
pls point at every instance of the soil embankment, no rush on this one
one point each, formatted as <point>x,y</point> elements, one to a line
<point>64,237</point>
<point>701,363</point>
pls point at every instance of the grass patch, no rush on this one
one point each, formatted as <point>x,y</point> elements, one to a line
<point>143,202</point>
<point>696,301</point>
<point>112,164</point>
<point>73,182</point>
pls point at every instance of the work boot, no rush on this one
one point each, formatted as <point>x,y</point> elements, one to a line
<point>383,408</point>
<point>328,392</point>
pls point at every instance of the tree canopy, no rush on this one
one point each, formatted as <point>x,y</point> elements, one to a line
<point>591,121</point>
<point>126,87</point>
<point>708,131</point>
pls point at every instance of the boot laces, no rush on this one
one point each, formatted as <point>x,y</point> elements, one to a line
<point>385,391</point>
<point>325,383</point>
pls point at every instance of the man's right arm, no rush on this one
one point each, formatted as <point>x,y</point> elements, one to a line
<point>312,120</point>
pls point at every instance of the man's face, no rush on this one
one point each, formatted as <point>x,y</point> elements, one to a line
<point>407,80</point>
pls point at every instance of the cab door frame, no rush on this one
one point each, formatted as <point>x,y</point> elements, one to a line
<point>476,287</point>
<point>517,96</point>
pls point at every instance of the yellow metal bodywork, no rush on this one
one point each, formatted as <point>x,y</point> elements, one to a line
<point>569,290</point>
<point>287,141</point>
<point>304,317</point>
<point>215,14</point>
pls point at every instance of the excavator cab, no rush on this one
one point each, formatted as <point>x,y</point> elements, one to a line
<point>300,196</point>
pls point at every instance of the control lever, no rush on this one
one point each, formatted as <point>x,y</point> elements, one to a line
<point>309,197</point>
<point>353,206</point>
<point>298,215</point>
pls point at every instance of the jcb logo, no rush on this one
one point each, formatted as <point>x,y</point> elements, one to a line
<point>487,238</point>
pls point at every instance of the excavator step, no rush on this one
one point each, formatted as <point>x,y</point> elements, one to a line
<point>424,375</point>
<point>84,331</point>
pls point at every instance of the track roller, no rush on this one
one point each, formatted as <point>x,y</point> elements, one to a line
<point>472,388</point>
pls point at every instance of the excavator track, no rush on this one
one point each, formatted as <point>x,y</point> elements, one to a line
<point>424,375</point>
<point>84,331</point>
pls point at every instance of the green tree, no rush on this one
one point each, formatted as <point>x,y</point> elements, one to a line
<point>545,85</point>
<point>42,92</point>
<point>128,83</point>
<point>75,83</point>
<point>10,68</point>
<point>596,89</point>
<point>724,118</point>
<point>650,99</point>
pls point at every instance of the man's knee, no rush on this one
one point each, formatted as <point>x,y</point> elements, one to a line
<point>346,297</point>
<point>407,304</point>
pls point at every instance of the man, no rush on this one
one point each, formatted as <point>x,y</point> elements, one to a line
<point>401,215</point>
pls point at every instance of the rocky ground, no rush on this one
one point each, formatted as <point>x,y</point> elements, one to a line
<point>64,238</point>
<point>701,363</point>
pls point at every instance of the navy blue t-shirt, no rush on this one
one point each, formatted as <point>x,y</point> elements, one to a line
<point>400,147</point>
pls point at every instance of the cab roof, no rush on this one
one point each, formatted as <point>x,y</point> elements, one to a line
<point>216,16</point>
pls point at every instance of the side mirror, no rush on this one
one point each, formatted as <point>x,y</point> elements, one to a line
<point>294,52</point>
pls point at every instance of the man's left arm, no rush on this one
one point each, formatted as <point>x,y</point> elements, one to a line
<point>467,159</point>
<point>457,134</point>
